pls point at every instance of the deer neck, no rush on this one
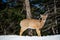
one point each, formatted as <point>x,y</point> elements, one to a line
<point>28,11</point>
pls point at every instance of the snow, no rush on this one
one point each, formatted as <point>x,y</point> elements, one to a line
<point>16,37</point>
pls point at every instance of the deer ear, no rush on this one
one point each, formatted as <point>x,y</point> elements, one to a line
<point>46,15</point>
<point>41,15</point>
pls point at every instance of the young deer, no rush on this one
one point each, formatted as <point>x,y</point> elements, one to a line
<point>33,24</point>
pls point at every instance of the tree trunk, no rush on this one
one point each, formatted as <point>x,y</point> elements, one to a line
<point>55,6</point>
<point>28,11</point>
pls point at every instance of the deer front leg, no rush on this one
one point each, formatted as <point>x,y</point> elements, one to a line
<point>22,30</point>
<point>38,32</point>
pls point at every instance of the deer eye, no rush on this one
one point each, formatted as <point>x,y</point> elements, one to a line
<point>40,18</point>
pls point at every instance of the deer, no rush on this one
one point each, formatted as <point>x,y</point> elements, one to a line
<point>32,23</point>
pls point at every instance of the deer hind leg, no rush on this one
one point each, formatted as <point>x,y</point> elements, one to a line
<point>38,32</point>
<point>22,30</point>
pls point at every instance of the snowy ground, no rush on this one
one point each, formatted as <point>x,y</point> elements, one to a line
<point>16,37</point>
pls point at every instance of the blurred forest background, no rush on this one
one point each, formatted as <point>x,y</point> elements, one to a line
<point>13,11</point>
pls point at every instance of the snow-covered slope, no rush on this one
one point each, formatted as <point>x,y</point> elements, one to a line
<point>15,37</point>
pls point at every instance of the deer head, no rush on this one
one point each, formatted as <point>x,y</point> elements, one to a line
<point>44,17</point>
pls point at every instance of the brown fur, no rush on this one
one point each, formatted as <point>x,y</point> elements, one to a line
<point>33,24</point>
